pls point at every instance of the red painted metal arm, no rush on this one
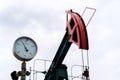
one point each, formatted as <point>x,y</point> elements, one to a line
<point>77,30</point>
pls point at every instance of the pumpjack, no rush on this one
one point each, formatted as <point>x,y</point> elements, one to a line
<point>75,33</point>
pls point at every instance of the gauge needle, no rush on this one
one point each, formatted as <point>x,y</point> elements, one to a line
<point>24,46</point>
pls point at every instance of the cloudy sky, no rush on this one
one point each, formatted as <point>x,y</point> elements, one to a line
<point>44,21</point>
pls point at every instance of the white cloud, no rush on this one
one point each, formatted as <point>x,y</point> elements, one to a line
<point>6,3</point>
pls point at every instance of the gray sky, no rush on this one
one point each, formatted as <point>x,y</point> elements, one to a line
<point>44,21</point>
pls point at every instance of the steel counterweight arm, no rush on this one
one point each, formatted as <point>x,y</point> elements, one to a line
<point>60,55</point>
<point>62,50</point>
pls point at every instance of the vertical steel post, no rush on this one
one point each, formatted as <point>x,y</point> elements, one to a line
<point>23,71</point>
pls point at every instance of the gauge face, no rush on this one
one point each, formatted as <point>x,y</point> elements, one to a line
<point>24,48</point>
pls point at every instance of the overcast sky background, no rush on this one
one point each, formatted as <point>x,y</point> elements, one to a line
<point>45,22</point>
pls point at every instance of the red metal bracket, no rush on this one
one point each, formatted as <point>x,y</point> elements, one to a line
<point>77,30</point>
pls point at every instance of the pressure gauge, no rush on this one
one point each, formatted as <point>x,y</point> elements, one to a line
<point>24,48</point>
